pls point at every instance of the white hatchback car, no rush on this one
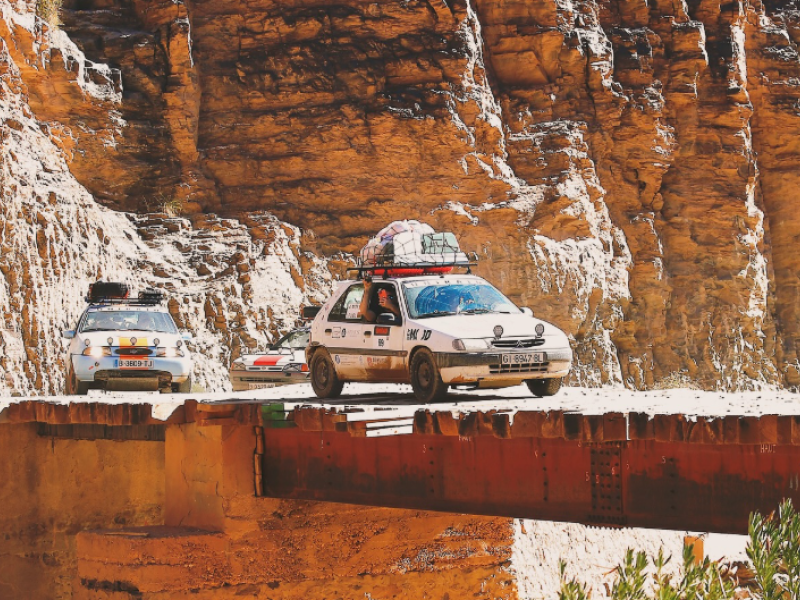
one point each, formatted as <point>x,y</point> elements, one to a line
<point>283,363</point>
<point>434,331</point>
<point>126,345</point>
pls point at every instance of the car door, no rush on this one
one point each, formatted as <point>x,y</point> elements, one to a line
<point>343,334</point>
<point>383,342</point>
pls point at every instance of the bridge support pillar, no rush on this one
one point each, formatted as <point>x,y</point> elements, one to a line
<point>208,472</point>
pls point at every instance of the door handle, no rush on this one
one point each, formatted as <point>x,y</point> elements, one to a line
<point>367,334</point>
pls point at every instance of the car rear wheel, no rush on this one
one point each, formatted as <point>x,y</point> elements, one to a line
<point>425,377</point>
<point>183,388</point>
<point>544,387</point>
<point>324,380</point>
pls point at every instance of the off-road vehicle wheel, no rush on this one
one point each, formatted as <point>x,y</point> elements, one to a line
<point>75,387</point>
<point>425,378</point>
<point>183,388</point>
<point>544,387</point>
<point>324,380</point>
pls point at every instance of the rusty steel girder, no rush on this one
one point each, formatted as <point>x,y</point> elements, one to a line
<point>666,473</point>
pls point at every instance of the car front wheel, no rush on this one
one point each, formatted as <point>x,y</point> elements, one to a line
<point>544,387</point>
<point>75,387</point>
<point>184,387</point>
<point>324,380</point>
<point>425,378</point>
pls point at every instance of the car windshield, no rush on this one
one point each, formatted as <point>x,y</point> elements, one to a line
<point>128,320</point>
<point>451,297</point>
<point>293,341</point>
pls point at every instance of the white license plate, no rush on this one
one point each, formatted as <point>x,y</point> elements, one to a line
<point>135,363</point>
<point>261,386</point>
<point>523,359</point>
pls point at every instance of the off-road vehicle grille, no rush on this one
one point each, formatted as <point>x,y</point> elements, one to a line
<point>523,368</point>
<point>134,351</point>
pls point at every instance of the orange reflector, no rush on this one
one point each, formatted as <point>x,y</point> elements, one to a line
<point>381,331</point>
<point>304,368</point>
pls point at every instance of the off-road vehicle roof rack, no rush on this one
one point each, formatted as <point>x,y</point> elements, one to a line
<point>388,268</point>
<point>103,293</point>
<point>411,248</point>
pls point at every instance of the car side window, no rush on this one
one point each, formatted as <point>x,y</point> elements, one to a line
<point>346,307</point>
<point>384,301</point>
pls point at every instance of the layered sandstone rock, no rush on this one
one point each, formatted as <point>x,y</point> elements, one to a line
<point>625,168</point>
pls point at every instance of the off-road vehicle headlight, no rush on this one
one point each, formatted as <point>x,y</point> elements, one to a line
<point>96,351</point>
<point>474,344</point>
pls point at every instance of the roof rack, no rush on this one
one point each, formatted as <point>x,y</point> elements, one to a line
<point>409,248</point>
<point>109,293</point>
<point>389,268</point>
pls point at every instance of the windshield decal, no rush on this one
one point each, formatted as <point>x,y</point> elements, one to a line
<point>352,311</point>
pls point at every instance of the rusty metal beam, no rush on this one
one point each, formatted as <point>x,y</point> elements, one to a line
<point>627,470</point>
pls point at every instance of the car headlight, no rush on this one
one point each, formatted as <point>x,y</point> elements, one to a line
<point>97,351</point>
<point>296,367</point>
<point>238,365</point>
<point>169,352</point>
<point>475,344</point>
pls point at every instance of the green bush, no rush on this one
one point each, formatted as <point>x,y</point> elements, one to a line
<point>773,549</point>
<point>48,10</point>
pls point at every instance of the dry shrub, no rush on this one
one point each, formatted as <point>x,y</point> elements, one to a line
<point>47,10</point>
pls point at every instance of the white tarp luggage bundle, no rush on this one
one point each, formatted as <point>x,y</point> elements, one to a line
<point>412,246</point>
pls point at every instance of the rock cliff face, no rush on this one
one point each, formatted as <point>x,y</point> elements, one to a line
<point>240,281</point>
<point>625,168</point>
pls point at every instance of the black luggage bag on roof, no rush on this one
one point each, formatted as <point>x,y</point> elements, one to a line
<point>105,290</point>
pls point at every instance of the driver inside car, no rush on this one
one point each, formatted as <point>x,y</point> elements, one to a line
<point>465,302</point>
<point>146,322</point>
<point>104,322</point>
<point>386,301</point>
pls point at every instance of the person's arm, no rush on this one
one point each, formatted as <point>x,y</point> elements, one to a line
<point>363,308</point>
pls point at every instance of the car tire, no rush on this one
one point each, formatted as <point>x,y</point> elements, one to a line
<point>544,387</point>
<point>75,387</point>
<point>183,388</point>
<point>426,379</point>
<point>324,380</point>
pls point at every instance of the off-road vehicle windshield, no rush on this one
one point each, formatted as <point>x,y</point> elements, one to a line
<point>294,341</point>
<point>439,297</point>
<point>127,320</point>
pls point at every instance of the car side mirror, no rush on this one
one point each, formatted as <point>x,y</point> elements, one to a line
<point>387,319</point>
<point>187,337</point>
<point>309,312</point>
<point>68,334</point>
<point>527,311</point>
